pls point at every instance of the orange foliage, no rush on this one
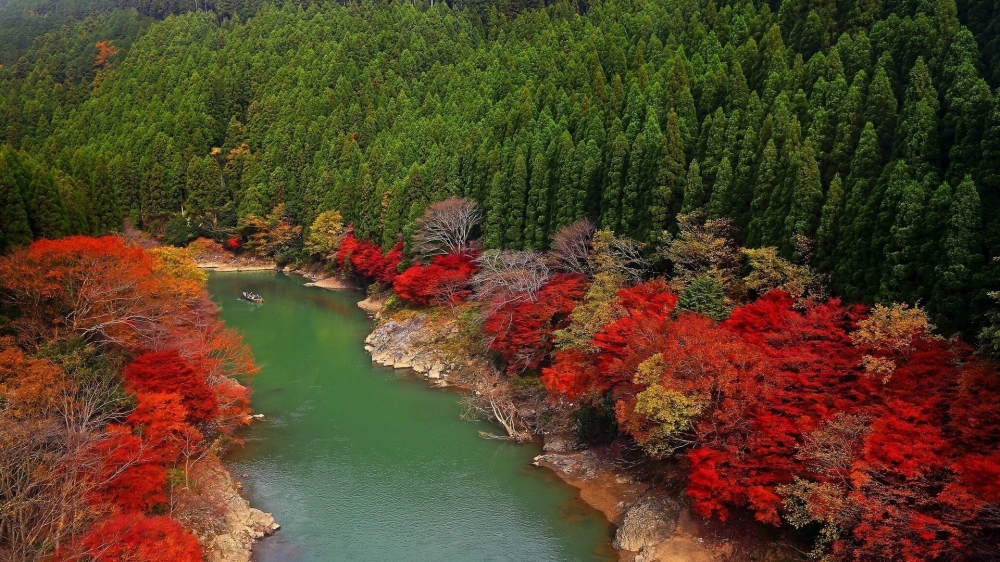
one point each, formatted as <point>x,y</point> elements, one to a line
<point>30,387</point>
<point>105,50</point>
<point>98,288</point>
<point>125,301</point>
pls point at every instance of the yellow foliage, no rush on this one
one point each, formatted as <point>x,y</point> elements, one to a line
<point>668,412</point>
<point>825,503</point>
<point>324,234</point>
<point>704,249</point>
<point>881,367</point>
<point>892,329</point>
<point>771,271</point>
<point>177,263</point>
<point>597,309</point>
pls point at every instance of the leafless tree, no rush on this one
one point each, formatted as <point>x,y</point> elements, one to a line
<point>491,400</point>
<point>446,227</point>
<point>508,277</point>
<point>628,255</point>
<point>570,250</point>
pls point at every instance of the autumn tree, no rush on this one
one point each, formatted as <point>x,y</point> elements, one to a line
<point>446,227</point>
<point>325,233</point>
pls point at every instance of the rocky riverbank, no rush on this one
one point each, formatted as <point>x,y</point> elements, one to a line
<point>653,525</point>
<point>212,507</point>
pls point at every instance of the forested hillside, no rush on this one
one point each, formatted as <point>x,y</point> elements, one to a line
<point>862,136</point>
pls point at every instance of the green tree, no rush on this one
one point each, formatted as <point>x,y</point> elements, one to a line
<point>704,295</point>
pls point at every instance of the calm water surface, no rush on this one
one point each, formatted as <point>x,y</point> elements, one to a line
<point>361,463</point>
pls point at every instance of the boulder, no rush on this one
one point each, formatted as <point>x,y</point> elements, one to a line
<point>648,522</point>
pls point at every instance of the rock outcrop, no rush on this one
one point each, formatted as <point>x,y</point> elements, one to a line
<point>223,520</point>
<point>647,523</point>
<point>399,344</point>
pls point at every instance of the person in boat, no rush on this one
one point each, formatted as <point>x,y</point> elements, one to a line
<point>252,296</point>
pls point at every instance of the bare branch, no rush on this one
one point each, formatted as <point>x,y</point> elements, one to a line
<point>570,249</point>
<point>446,228</point>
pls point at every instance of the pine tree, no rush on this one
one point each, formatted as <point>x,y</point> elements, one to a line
<point>105,213</point>
<point>670,177</point>
<point>497,210</point>
<point>632,195</point>
<point>860,216</point>
<point>152,194</point>
<point>611,200</point>
<point>46,211</point>
<point>14,227</point>
<point>902,275</point>
<point>694,191</point>
<point>881,108</point>
<point>916,137</point>
<point>828,232</point>
<point>961,259</point>
<point>517,194</point>
<point>807,198</point>
<point>538,195</point>
<point>720,204</point>
<point>764,188</point>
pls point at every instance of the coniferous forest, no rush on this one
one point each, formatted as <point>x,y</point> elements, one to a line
<point>760,239</point>
<point>860,136</point>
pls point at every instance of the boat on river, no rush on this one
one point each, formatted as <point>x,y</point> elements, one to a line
<point>253,297</point>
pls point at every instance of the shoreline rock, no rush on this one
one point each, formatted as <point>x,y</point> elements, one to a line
<point>225,524</point>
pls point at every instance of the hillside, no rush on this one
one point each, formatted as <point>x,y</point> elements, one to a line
<point>752,246</point>
<point>868,129</point>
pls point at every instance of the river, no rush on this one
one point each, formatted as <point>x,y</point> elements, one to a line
<point>363,463</point>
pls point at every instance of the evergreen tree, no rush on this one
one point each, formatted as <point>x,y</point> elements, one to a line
<point>807,198</point>
<point>670,178</point>
<point>14,228</point>
<point>903,267</point>
<point>694,191</point>
<point>720,204</point>
<point>881,108</point>
<point>105,213</point>
<point>961,258</point>
<point>611,202</point>
<point>828,232</point>
<point>517,193</point>
<point>537,208</point>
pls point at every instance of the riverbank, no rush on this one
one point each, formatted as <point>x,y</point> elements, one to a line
<point>222,519</point>
<point>653,523</point>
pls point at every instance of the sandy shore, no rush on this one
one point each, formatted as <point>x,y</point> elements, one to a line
<point>333,283</point>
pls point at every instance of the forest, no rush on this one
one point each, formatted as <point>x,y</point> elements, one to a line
<point>116,379</point>
<point>759,237</point>
<point>860,136</point>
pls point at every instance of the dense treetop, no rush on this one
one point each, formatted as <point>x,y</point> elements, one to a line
<point>862,137</point>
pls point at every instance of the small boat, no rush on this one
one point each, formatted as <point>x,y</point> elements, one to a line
<point>252,297</point>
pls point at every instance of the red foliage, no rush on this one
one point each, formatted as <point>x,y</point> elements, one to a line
<point>138,538</point>
<point>117,297</point>
<point>168,372</point>
<point>521,331</point>
<point>444,281</point>
<point>642,312</point>
<point>919,479</point>
<point>133,481</point>
<point>367,259</point>
<point>234,244</point>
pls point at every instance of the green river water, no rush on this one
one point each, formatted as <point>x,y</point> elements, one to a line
<point>362,463</point>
